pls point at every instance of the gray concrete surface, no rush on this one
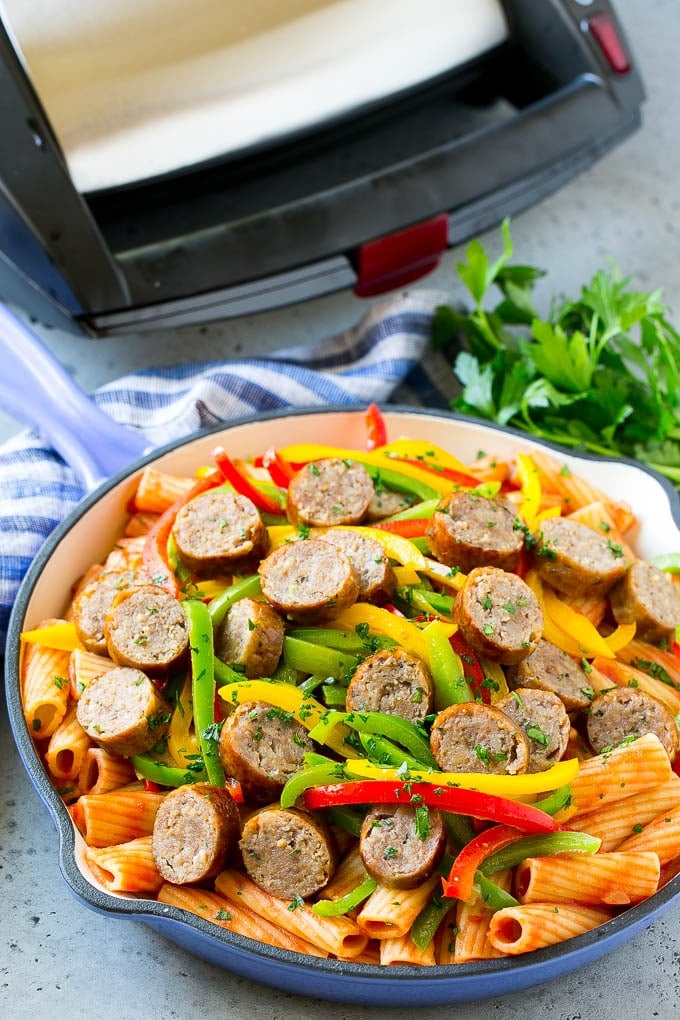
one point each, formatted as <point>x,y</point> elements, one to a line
<point>57,959</point>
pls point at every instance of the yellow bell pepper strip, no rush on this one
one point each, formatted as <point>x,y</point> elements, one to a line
<point>622,636</point>
<point>494,679</point>
<point>306,710</point>
<point>450,685</point>
<point>406,478</point>
<point>203,687</point>
<point>182,743</point>
<point>382,621</point>
<point>558,775</point>
<point>577,626</point>
<point>343,905</point>
<point>395,546</point>
<point>248,587</point>
<point>393,727</point>
<point>428,453</point>
<point>61,636</point>
<point>449,577</point>
<point>484,806</point>
<point>530,487</point>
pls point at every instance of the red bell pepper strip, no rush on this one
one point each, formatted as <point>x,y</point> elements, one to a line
<point>415,528</point>
<point>472,671</point>
<point>280,471</point>
<point>242,484</point>
<point>376,430</point>
<point>486,806</point>
<point>155,551</point>
<point>461,878</point>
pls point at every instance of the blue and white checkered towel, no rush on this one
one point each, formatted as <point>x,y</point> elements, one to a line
<point>385,357</point>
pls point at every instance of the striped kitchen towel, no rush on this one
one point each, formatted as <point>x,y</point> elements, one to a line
<point>386,357</point>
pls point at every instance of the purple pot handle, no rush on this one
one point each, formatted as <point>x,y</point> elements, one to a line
<point>37,391</point>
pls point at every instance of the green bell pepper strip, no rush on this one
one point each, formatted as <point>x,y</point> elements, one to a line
<point>540,846</point>
<point>334,695</point>
<point>335,908</point>
<point>347,818</point>
<point>309,685</point>
<point>203,687</point>
<point>399,482</point>
<point>670,562</point>
<point>317,775</point>
<point>341,640</point>
<point>492,895</point>
<point>427,922</point>
<point>384,752</point>
<point>166,775</point>
<point>450,685</point>
<point>224,674</point>
<point>401,731</point>
<point>248,587</point>
<point>556,801</point>
<point>315,659</point>
<point>424,509</point>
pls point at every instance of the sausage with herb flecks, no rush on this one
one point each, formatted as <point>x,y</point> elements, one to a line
<point>471,737</point>
<point>543,717</point>
<point>576,559</point>
<point>328,492</point>
<point>219,531</point>
<point>648,598</point>
<point>123,712</point>
<point>262,746</point>
<point>548,668</point>
<point>195,832</point>
<point>392,681</point>
<point>469,530</point>
<point>309,581</point>
<point>498,614</point>
<point>94,602</point>
<point>288,852</point>
<point>251,636</point>
<point>401,845</point>
<point>146,628</point>
<point>623,714</point>
<point>374,572</point>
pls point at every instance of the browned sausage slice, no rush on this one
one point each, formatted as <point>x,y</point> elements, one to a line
<point>392,681</point>
<point>471,737</point>
<point>624,713</point>
<point>329,491</point>
<point>309,581</point>
<point>498,614</point>
<point>374,572</point>
<point>195,832</point>
<point>94,602</point>
<point>123,712</point>
<point>287,852</point>
<point>471,531</point>
<point>576,559</point>
<point>385,502</point>
<point>549,668</point>
<point>251,635</point>
<point>395,853</point>
<point>648,598</point>
<point>219,531</point>
<point>146,628</point>
<point>262,746</point>
<point>543,717</point>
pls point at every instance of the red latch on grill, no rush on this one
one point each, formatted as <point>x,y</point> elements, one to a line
<point>397,259</point>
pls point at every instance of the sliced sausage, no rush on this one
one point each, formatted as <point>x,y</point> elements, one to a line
<point>395,851</point>
<point>647,597</point>
<point>498,614</point>
<point>309,581</point>
<point>94,602</point>
<point>287,852</point>
<point>622,713</point>
<point>262,746</point>
<point>329,491</point>
<point>146,628</point>
<point>470,531</point>
<point>392,681</point>
<point>219,531</point>
<point>548,668</point>
<point>195,832</point>
<point>543,717</point>
<point>251,635</point>
<point>576,559</point>
<point>471,737</point>
<point>385,502</point>
<point>374,572</point>
<point>123,712</point>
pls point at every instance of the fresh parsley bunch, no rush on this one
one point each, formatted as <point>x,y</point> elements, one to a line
<point>601,373</point>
